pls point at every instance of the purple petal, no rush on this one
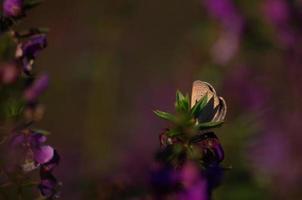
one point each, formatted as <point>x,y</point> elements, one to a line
<point>224,11</point>
<point>214,175</point>
<point>12,8</point>
<point>50,165</point>
<point>212,150</point>
<point>18,140</point>
<point>34,45</point>
<point>48,185</point>
<point>164,179</point>
<point>197,191</point>
<point>190,174</point>
<point>28,50</point>
<point>37,88</point>
<point>43,154</point>
<point>37,139</point>
<point>276,11</point>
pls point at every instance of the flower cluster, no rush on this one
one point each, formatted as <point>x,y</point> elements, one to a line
<point>189,146</point>
<point>29,146</point>
<point>20,92</point>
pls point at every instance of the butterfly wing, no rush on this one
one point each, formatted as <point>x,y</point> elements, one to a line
<point>215,110</point>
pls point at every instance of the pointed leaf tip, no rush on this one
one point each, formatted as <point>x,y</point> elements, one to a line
<point>182,102</point>
<point>197,108</point>
<point>164,115</point>
<point>209,125</point>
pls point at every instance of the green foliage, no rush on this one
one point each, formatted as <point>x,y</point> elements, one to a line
<point>13,108</point>
<point>165,115</point>
<point>185,122</point>
<point>197,108</point>
<point>173,132</point>
<point>207,125</point>
<point>11,101</point>
<point>41,131</point>
<point>182,102</point>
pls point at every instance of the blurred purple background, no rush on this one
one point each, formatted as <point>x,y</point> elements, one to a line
<point>112,62</point>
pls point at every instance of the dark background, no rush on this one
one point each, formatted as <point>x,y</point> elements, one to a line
<point>112,62</point>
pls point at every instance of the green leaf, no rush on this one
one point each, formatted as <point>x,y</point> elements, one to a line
<point>208,125</point>
<point>41,131</point>
<point>182,102</point>
<point>14,108</point>
<point>173,132</point>
<point>197,108</point>
<point>165,115</point>
<point>186,103</point>
<point>178,149</point>
<point>179,96</point>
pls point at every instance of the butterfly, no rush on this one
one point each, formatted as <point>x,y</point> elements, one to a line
<point>215,109</point>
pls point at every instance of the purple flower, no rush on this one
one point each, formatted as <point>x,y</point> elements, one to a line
<point>184,182</point>
<point>52,163</point>
<point>214,175</point>
<point>225,12</point>
<point>212,150</point>
<point>245,89</point>
<point>43,154</point>
<point>227,45</point>
<point>164,180</point>
<point>37,88</point>
<point>276,11</point>
<point>194,183</point>
<point>278,14</point>
<point>37,154</point>
<point>33,147</point>
<point>275,153</point>
<point>48,185</point>
<point>27,51</point>
<point>12,8</point>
